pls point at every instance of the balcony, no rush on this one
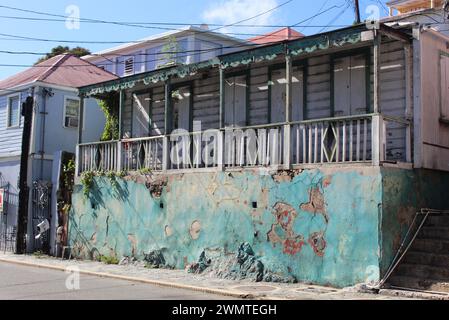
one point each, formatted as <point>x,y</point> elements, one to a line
<point>369,139</point>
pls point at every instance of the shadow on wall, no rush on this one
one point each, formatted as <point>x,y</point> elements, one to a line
<point>283,227</point>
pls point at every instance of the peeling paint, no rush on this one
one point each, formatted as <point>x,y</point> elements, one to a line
<point>215,213</point>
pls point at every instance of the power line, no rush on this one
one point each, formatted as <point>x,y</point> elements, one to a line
<point>319,10</point>
<point>154,23</point>
<point>136,24</point>
<point>142,62</point>
<point>317,14</point>
<point>348,4</point>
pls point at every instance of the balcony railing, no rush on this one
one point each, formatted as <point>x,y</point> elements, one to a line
<point>371,139</point>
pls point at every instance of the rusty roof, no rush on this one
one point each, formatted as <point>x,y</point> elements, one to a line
<point>63,70</point>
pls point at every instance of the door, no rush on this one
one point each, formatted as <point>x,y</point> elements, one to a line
<point>141,115</point>
<point>279,95</point>
<point>235,101</point>
<point>350,97</point>
<point>278,101</point>
<point>181,108</point>
<point>350,85</point>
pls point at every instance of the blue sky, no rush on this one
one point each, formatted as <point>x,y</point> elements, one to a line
<point>188,12</point>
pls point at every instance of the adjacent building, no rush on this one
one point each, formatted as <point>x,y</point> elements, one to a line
<point>55,113</point>
<point>181,46</point>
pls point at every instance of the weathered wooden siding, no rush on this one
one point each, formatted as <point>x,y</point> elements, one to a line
<point>258,106</point>
<point>206,101</point>
<point>434,132</point>
<point>10,138</point>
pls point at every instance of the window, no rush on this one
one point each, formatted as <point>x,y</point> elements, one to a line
<point>71,112</point>
<point>14,111</point>
<point>129,66</point>
<point>444,82</point>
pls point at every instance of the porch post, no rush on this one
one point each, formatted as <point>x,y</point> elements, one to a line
<point>288,112</point>
<point>376,97</point>
<point>222,99</point>
<point>120,114</point>
<point>167,110</point>
<point>80,136</point>
<point>378,139</point>
<point>81,120</point>
<point>409,100</point>
<point>167,125</point>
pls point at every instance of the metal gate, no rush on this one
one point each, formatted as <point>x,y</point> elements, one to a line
<point>8,231</point>
<point>41,209</point>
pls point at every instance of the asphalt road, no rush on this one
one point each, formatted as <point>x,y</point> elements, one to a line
<point>31,283</point>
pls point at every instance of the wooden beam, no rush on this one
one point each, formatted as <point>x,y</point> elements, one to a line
<point>168,117</point>
<point>376,97</point>
<point>81,120</point>
<point>222,98</point>
<point>394,34</point>
<point>120,114</point>
<point>288,112</point>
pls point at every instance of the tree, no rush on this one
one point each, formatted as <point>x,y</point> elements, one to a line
<point>77,51</point>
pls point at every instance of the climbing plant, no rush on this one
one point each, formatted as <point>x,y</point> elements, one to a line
<point>87,179</point>
<point>110,107</point>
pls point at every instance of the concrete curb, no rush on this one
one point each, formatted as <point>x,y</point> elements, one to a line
<point>227,293</point>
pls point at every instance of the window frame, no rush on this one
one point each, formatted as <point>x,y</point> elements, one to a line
<point>66,98</point>
<point>8,111</point>
<point>442,117</point>
<point>125,74</point>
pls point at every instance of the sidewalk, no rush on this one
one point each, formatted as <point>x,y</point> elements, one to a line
<point>182,279</point>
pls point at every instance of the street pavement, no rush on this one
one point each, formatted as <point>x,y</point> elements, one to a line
<point>21,279</point>
<point>32,283</point>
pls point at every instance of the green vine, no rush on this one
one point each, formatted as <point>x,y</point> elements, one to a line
<point>68,171</point>
<point>110,107</point>
<point>87,179</point>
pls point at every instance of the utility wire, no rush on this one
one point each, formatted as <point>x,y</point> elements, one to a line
<point>143,26</point>
<point>158,23</point>
<point>142,62</point>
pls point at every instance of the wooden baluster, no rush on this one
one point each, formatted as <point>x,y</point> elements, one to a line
<point>364,139</point>
<point>358,141</point>
<point>344,142</point>
<point>322,142</point>
<point>315,147</point>
<point>304,144</point>
<point>351,139</point>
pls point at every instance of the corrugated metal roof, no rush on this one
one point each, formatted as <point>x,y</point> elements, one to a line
<point>63,70</point>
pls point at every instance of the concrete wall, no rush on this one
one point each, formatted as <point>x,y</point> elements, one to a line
<point>316,225</point>
<point>336,227</point>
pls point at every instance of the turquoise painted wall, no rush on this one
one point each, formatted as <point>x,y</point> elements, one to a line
<point>321,226</point>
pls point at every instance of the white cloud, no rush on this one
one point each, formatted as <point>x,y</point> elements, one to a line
<point>231,11</point>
